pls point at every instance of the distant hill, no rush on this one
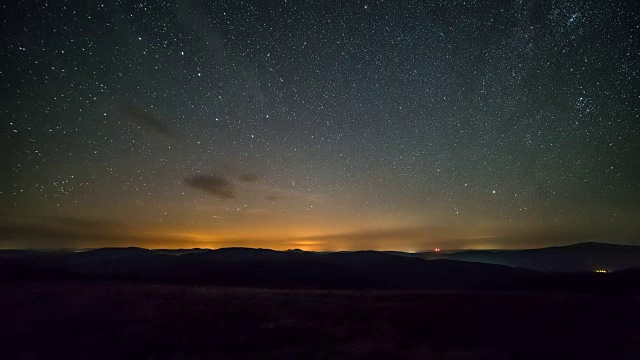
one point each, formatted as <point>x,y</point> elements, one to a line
<point>266,268</point>
<point>262,268</point>
<point>572,258</point>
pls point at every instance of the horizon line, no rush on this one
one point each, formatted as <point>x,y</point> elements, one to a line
<point>435,250</point>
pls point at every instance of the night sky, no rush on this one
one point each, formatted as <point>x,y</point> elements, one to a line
<point>319,125</point>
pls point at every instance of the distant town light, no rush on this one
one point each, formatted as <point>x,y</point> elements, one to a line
<point>602,271</point>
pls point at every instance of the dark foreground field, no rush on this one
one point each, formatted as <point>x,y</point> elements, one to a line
<point>100,319</point>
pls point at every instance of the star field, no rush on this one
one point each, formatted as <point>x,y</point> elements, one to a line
<point>320,125</point>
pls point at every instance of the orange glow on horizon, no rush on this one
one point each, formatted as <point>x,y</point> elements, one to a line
<point>322,236</point>
<point>308,241</point>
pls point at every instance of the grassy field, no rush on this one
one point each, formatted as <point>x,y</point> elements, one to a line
<point>100,319</point>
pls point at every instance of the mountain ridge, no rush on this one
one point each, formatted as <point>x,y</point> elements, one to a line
<point>365,269</point>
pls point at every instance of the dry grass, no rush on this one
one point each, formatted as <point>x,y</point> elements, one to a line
<point>172,321</point>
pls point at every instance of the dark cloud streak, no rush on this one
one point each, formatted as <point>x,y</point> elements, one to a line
<point>249,177</point>
<point>147,121</point>
<point>213,185</point>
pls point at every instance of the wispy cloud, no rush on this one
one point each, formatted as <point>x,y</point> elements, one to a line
<point>214,185</point>
<point>249,177</point>
<point>147,121</point>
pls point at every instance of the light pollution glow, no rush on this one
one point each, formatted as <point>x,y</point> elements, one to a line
<point>46,232</point>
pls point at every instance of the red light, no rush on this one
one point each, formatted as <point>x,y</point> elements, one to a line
<point>436,249</point>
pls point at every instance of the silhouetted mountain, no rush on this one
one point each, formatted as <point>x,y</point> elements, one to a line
<point>346,270</point>
<point>296,250</point>
<point>238,254</point>
<point>114,252</point>
<point>125,262</point>
<point>180,251</point>
<point>635,271</point>
<point>267,268</point>
<point>572,258</point>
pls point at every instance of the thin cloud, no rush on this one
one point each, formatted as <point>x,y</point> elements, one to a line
<point>44,232</point>
<point>214,185</point>
<point>249,177</point>
<point>148,122</point>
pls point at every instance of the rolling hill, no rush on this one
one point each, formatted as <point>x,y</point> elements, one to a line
<point>561,268</point>
<point>572,258</point>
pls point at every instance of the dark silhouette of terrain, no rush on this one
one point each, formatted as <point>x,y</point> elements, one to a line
<point>261,268</point>
<point>510,270</point>
<point>113,319</point>
<point>240,303</point>
<point>573,258</point>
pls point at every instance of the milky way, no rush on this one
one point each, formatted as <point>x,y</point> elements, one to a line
<point>320,125</point>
